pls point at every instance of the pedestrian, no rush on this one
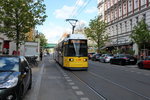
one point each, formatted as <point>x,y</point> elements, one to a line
<point>41,55</point>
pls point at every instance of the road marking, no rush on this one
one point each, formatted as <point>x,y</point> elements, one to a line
<point>79,93</point>
<point>37,85</point>
<point>84,98</point>
<point>71,83</point>
<point>69,80</point>
<point>75,87</point>
<point>67,77</point>
<point>138,72</point>
<point>146,74</point>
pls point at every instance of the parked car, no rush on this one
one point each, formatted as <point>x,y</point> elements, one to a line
<point>90,55</point>
<point>123,59</point>
<point>145,63</point>
<point>105,57</point>
<point>15,77</point>
<point>95,57</point>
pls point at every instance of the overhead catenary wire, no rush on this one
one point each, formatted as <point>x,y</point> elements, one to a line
<point>74,9</point>
<point>76,12</point>
<point>79,10</point>
<point>82,8</point>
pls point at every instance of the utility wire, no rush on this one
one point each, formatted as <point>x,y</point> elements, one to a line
<point>83,8</point>
<point>73,12</point>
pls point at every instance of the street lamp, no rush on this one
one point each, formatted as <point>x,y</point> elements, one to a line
<point>73,23</point>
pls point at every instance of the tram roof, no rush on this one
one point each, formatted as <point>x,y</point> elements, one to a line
<point>75,36</point>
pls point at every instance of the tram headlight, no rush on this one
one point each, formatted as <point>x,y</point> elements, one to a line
<point>71,59</point>
<point>85,60</point>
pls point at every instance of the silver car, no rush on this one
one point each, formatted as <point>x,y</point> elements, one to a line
<point>105,58</point>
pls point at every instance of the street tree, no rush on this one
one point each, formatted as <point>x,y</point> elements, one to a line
<point>43,40</point>
<point>97,32</point>
<point>141,35</point>
<point>18,17</point>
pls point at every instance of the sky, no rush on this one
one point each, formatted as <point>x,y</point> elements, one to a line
<point>60,10</point>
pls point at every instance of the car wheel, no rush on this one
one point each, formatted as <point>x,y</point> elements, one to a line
<point>20,94</point>
<point>122,63</point>
<point>140,65</point>
<point>111,62</point>
<point>30,85</point>
<point>104,61</point>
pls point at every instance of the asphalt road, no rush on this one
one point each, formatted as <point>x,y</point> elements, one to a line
<point>102,81</point>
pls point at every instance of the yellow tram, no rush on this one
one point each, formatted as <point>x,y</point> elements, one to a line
<point>72,53</point>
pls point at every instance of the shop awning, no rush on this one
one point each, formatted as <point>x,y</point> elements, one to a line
<point>116,45</point>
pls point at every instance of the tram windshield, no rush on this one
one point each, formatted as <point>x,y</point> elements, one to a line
<point>76,48</point>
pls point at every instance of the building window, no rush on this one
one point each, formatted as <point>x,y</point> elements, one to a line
<point>109,17</point>
<point>112,30</point>
<point>120,11</point>
<point>137,19</point>
<point>143,2</point>
<point>130,6</point>
<point>116,29</point>
<point>125,8</point>
<point>136,3</point>
<point>144,17</point>
<point>125,26</point>
<point>112,16</point>
<point>120,28</point>
<point>116,13</point>
<point>131,24</point>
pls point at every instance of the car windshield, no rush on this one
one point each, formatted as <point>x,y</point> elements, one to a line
<point>147,58</point>
<point>9,64</point>
<point>125,55</point>
<point>109,54</point>
<point>76,48</point>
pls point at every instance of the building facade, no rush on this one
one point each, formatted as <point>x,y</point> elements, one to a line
<point>122,16</point>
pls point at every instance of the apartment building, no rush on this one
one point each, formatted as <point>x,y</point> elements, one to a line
<point>122,16</point>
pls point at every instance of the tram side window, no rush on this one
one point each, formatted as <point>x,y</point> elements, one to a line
<point>66,50</point>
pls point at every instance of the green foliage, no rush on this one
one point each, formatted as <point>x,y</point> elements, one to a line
<point>141,34</point>
<point>43,40</point>
<point>130,51</point>
<point>19,16</point>
<point>96,32</point>
<point>123,51</point>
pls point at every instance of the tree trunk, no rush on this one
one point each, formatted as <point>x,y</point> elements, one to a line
<point>17,41</point>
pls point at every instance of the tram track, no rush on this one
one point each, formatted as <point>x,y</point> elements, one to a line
<point>101,95</point>
<point>90,87</point>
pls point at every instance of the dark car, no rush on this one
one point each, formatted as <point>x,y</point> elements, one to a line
<point>90,55</point>
<point>15,77</point>
<point>95,57</point>
<point>123,59</point>
<point>145,63</point>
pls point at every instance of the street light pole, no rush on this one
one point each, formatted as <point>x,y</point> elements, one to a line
<point>73,23</point>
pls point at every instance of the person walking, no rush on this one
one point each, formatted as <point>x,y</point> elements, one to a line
<point>41,55</point>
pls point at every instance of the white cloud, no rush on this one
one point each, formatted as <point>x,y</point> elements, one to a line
<point>91,10</point>
<point>80,3</point>
<point>67,11</point>
<point>53,32</point>
<point>81,22</point>
<point>64,12</point>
